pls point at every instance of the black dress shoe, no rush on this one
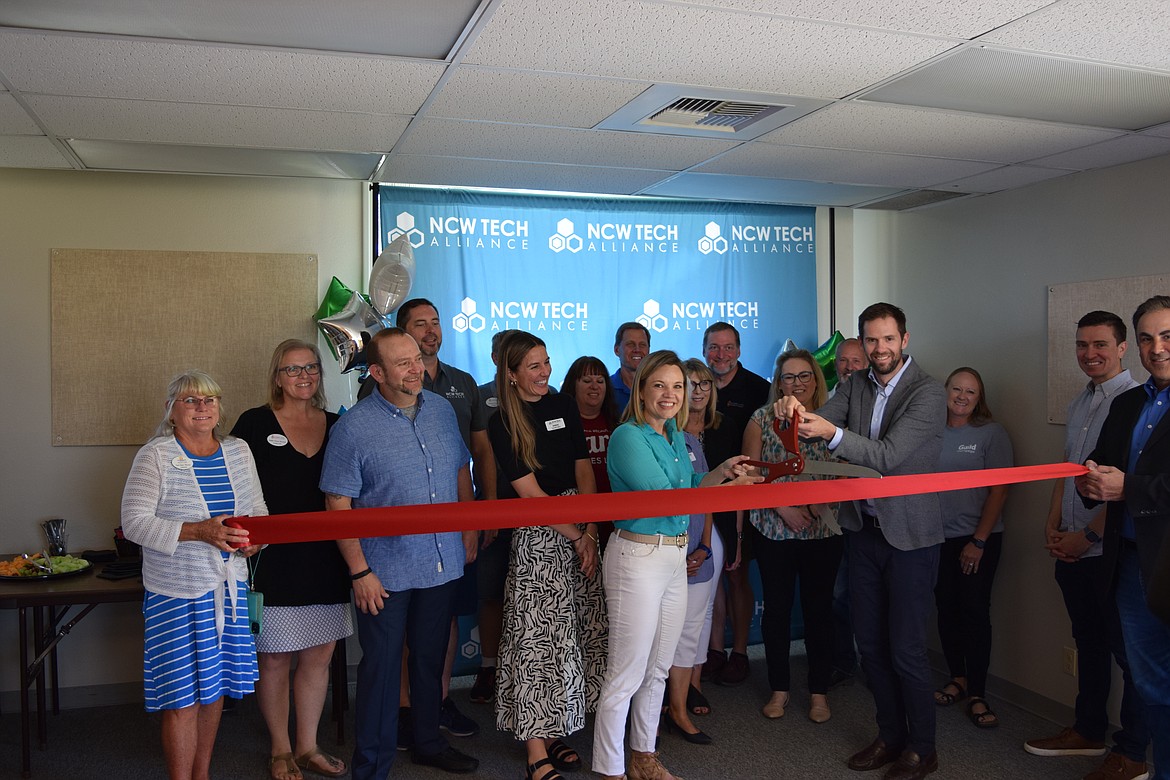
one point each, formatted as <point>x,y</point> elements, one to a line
<point>697,738</point>
<point>877,755</point>
<point>450,760</point>
<point>911,766</point>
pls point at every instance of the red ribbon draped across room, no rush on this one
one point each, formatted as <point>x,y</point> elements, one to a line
<point>520,512</point>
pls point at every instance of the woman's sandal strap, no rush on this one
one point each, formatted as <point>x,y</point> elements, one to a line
<point>553,774</point>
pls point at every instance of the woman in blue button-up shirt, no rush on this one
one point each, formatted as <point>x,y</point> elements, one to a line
<point>645,565</point>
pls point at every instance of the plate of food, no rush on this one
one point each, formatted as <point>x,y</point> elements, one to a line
<point>36,567</point>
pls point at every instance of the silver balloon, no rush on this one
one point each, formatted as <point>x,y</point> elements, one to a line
<point>350,330</point>
<point>392,276</point>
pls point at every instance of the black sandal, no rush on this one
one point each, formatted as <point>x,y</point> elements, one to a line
<point>552,774</point>
<point>563,757</point>
<point>984,720</point>
<point>696,700</point>
<point>944,698</point>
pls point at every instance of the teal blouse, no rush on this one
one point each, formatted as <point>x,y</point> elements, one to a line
<point>640,458</point>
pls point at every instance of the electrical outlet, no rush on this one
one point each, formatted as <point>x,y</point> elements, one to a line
<point>1069,661</point>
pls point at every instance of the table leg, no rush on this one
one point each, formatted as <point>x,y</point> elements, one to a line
<point>25,682</point>
<point>38,648</point>
<point>53,683</point>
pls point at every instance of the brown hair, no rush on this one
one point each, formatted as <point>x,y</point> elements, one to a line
<point>513,412</point>
<point>981,415</point>
<point>275,393</point>
<point>647,368</point>
<point>819,394</point>
<point>587,365</point>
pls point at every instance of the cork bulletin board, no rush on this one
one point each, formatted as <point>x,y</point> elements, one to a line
<point>125,322</point>
<point>1067,303</point>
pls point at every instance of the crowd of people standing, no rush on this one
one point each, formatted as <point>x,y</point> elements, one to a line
<point>627,619</point>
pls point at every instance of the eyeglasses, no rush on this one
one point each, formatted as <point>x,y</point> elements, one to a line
<point>702,384</point>
<point>804,377</point>
<point>312,369</point>
<point>193,401</point>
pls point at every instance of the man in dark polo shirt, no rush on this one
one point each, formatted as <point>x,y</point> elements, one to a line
<point>740,393</point>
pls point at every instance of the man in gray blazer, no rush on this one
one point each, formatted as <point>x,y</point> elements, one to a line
<point>890,418</point>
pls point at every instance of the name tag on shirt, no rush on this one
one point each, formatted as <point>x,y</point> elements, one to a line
<point>692,456</point>
<point>277,440</point>
<point>554,425</point>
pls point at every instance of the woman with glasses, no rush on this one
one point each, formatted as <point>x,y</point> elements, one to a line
<point>305,584</point>
<point>182,487</point>
<point>799,542</point>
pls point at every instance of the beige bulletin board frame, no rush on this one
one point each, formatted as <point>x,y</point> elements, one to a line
<point>125,321</point>
<point>1067,303</point>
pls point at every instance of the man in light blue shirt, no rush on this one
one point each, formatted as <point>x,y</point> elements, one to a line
<point>400,446</point>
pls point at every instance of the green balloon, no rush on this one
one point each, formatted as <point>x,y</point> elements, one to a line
<point>336,297</point>
<point>826,357</point>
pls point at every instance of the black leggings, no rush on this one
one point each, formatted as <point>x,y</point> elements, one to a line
<point>964,611</point>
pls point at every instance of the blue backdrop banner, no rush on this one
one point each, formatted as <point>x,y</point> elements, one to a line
<point>571,269</point>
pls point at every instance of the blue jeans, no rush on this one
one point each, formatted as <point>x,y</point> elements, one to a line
<point>1147,644</point>
<point>1096,629</point>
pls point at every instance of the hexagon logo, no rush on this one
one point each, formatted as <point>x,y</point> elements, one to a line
<point>565,238</point>
<point>651,316</point>
<point>404,225</point>
<point>713,240</point>
<point>713,230</point>
<point>467,319</point>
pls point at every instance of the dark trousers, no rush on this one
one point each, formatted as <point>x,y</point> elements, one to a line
<point>964,610</point>
<point>891,592</point>
<point>815,562</point>
<point>423,618</point>
<point>844,650</point>
<point>1096,629</point>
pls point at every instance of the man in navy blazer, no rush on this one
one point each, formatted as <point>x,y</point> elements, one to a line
<point>1130,469</point>
<point>890,418</point>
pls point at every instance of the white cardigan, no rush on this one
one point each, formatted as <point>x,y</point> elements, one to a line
<point>160,497</point>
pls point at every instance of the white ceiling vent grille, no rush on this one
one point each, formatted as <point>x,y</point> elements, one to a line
<point>728,116</point>
<point>673,109</point>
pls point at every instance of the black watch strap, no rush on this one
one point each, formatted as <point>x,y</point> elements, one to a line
<point>979,543</point>
<point>1091,535</point>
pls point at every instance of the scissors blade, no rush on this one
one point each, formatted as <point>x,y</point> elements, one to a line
<point>834,469</point>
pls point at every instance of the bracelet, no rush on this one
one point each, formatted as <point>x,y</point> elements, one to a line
<point>360,574</point>
<point>579,538</point>
<point>591,536</point>
<point>705,549</point>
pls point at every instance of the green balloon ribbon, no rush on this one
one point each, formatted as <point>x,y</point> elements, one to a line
<point>826,357</point>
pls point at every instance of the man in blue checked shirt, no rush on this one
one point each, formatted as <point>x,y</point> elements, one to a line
<point>400,446</point>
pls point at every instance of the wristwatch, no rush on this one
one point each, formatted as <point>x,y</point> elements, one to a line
<point>979,543</point>
<point>1091,535</point>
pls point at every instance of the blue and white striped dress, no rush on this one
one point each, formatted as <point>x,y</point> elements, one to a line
<point>185,662</point>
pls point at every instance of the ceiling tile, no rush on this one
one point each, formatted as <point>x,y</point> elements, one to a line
<point>410,28</point>
<point>1115,152</point>
<point>1007,83</point>
<point>462,172</point>
<point>693,45</point>
<point>531,98</point>
<point>960,20</point>
<point>200,123</point>
<point>753,189</point>
<point>1005,178</point>
<point>448,137</point>
<point>127,156</point>
<point>14,120</point>
<point>840,166</point>
<point>30,151</point>
<point>886,128</point>
<point>1131,32</point>
<point>150,70</point>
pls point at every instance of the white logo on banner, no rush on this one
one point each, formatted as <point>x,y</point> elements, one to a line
<point>651,316</point>
<point>565,238</point>
<point>713,241</point>
<point>467,319</point>
<point>404,226</point>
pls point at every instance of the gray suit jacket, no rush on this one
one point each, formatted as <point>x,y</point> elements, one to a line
<point>910,442</point>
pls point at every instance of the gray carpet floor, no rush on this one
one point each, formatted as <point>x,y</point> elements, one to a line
<point>123,741</point>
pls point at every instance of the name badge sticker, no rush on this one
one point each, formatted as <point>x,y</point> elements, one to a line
<point>692,456</point>
<point>181,462</point>
<point>277,439</point>
<point>554,425</point>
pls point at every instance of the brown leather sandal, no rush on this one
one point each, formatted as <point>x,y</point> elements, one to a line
<point>290,771</point>
<point>333,766</point>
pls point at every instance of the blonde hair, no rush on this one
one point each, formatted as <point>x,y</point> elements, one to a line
<point>275,392</point>
<point>663,358</point>
<point>712,417</point>
<point>192,381</point>
<point>820,393</point>
<point>513,411</point>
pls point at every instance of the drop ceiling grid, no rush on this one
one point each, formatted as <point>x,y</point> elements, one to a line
<point>30,151</point>
<point>14,120</point>
<point>1005,178</point>
<point>1118,151</point>
<point>131,69</point>
<point>529,97</point>
<point>447,137</point>
<point>889,128</point>
<point>175,158</point>
<point>201,123</point>
<point>1135,32</point>
<point>692,45</point>
<point>841,166</point>
<point>705,186</point>
<point>462,172</point>
<point>958,20</point>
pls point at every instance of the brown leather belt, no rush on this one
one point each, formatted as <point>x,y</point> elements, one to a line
<point>657,540</point>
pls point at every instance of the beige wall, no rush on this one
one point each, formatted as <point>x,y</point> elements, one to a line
<point>40,210</point>
<point>972,278</point>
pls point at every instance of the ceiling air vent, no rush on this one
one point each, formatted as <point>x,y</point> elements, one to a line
<point>672,109</point>
<point>728,116</point>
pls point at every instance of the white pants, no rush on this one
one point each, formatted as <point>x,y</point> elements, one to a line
<point>696,633</point>
<point>646,594</point>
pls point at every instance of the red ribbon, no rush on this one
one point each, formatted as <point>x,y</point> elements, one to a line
<point>518,513</point>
